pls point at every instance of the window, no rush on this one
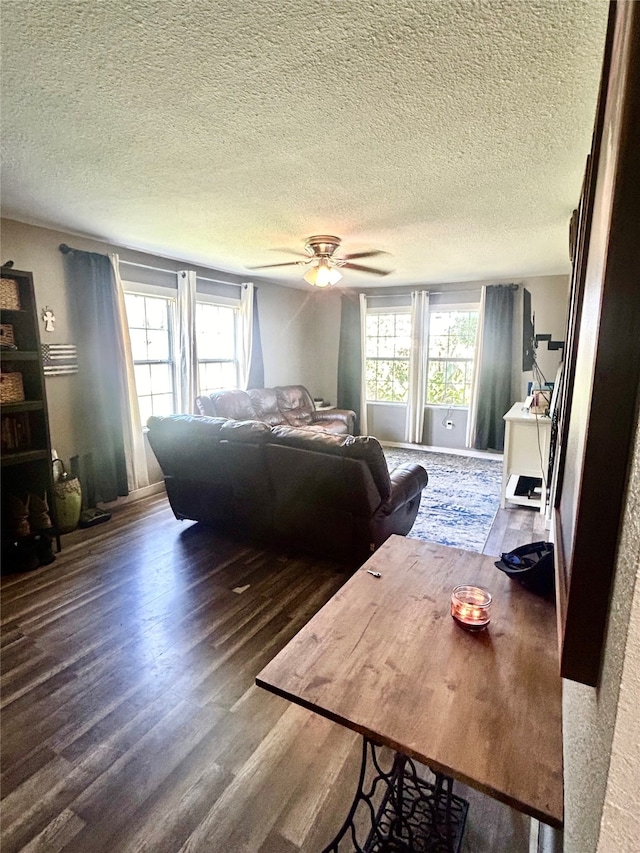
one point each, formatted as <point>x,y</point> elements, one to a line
<point>216,336</point>
<point>387,348</point>
<point>149,320</point>
<point>452,340</point>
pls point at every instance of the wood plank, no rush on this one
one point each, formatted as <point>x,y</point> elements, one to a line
<point>55,835</point>
<point>515,526</point>
<point>385,659</point>
<point>145,643</point>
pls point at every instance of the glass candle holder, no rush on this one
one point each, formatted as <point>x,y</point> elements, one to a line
<point>471,607</point>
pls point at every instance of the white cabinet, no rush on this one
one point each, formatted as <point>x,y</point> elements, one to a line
<point>526,457</point>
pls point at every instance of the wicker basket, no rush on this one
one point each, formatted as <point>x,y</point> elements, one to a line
<point>7,338</point>
<point>9,294</point>
<point>11,388</point>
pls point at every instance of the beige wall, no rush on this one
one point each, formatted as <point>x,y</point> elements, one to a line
<point>320,314</point>
<point>620,825</point>
<point>300,328</point>
<point>602,726</point>
<point>36,249</point>
<point>549,296</point>
<point>290,325</point>
<point>300,340</point>
<point>300,336</point>
<point>322,336</point>
<point>282,318</point>
<point>549,303</point>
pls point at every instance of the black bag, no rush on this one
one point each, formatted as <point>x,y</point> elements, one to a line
<point>532,566</point>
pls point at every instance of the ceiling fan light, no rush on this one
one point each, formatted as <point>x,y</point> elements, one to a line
<point>322,275</point>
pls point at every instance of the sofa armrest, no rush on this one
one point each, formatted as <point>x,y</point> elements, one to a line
<point>345,415</point>
<point>205,406</point>
<point>407,482</point>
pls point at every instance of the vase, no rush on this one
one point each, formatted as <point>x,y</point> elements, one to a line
<point>67,501</point>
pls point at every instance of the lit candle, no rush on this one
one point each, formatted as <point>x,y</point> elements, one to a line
<point>471,607</point>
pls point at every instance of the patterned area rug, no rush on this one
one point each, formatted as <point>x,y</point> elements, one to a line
<point>461,499</point>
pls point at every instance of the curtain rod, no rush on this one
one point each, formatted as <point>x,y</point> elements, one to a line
<point>408,293</point>
<point>67,249</point>
<point>470,289</point>
<point>436,292</point>
<point>175,272</point>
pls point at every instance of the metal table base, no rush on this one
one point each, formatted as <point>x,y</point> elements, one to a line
<point>407,813</point>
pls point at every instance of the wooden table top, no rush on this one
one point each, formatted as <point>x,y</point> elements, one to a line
<point>384,658</point>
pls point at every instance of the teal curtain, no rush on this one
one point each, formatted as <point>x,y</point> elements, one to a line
<point>494,382</point>
<point>99,406</point>
<point>350,357</point>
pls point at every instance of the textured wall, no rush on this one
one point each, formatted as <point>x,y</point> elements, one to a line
<point>36,249</point>
<point>451,134</point>
<point>549,304</point>
<point>549,299</point>
<point>620,828</point>
<point>300,329</point>
<point>602,737</point>
<point>283,315</point>
<point>321,329</point>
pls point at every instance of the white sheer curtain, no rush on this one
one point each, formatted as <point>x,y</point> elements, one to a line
<point>246,333</point>
<point>417,366</point>
<point>136,459</point>
<point>186,357</point>
<point>472,417</point>
<point>364,426</point>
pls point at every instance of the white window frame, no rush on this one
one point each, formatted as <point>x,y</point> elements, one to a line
<point>401,309</point>
<point>225,302</point>
<point>135,288</point>
<point>450,308</point>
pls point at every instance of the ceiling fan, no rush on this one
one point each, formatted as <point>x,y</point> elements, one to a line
<point>323,265</point>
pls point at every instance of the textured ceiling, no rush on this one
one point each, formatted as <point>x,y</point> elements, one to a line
<point>450,133</point>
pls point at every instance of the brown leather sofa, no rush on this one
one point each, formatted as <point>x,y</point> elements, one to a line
<point>322,493</point>
<point>285,405</point>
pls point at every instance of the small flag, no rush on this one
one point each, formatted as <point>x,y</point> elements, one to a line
<point>59,359</point>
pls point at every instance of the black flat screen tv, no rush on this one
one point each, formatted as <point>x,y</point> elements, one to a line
<point>528,332</point>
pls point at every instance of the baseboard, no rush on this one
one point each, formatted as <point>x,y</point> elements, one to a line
<point>136,495</point>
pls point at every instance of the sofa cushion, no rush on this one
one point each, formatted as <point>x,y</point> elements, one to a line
<point>321,501</point>
<point>330,427</point>
<point>234,404</point>
<point>244,431</point>
<point>204,406</point>
<point>286,405</point>
<point>252,504</point>
<point>187,445</point>
<point>320,492</point>
<point>295,403</point>
<point>192,457</point>
<point>174,425</point>
<point>265,405</point>
<point>359,447</point>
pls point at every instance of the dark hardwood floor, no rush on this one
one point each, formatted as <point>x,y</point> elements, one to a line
<point>130,718</point>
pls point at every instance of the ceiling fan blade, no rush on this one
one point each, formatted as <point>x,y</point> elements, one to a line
<point>361,268</point>
<point>268,266</point>
<point>364,254</point>
<point>286,251</point>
